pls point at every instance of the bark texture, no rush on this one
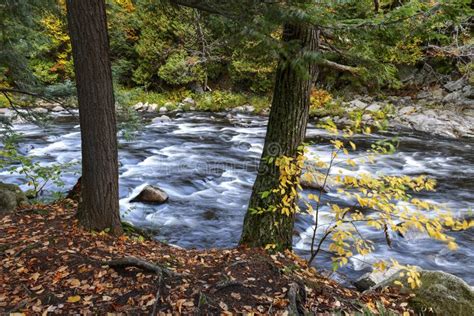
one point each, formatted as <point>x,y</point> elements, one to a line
<point>99,205</point>
<point>285,133</point>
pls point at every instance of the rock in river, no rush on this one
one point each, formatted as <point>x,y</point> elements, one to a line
<point>151,194</point>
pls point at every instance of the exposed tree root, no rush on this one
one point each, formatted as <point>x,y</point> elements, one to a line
<point>140,263</point>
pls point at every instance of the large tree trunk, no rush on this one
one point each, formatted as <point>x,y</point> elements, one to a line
<point>99,206</point>
<point>285,133</point>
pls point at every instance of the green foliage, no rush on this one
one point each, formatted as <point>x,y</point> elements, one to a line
<point>181,69</point>
<point>37,176</point>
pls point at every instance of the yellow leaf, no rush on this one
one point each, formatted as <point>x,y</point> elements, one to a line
<point>73,299</point>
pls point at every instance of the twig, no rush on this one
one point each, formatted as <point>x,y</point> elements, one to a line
<point>27,248</point>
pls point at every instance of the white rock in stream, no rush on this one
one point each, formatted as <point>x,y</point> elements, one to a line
<point>163,109</point>
<point>58,109</point>
<point>161,119</point>
<point>40,110</point>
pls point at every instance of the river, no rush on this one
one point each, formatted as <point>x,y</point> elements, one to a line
<point>207,164</point>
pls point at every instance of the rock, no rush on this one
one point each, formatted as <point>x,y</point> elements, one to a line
<point>407,110</point>
<point>437,93</point>
<point>315,181</point>
<point>358,104</point>
<point>441,292</point>
<point>265,111</point>
<point>6,112</point>
<point>238,109</point>
<point>468,92</point>
<point>163,109</point>
<point>196,88</point>
<point>453,97</point>
<point>192,108</point>
<point>366,117</point>
<point>161,119</point>
<point>151,194</point>
<point>425,94</point>
<point>58,109</point>
<point>152,107</point>
<point>249,108</point>
<point>11,196</point>
<point>139,106</point>
<point>373,278</point>
<point>374,107</point>
<point>40,110</point>
<point>455,85</point>
<point>189,101</point>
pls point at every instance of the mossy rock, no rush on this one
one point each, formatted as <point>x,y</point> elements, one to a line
<point>440,293</point>
<point>11,196</point>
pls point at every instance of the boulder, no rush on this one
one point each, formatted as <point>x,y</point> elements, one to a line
<point>163,109</point>
<point>407,110</point>
<point>455,85</point>
<point>57,108</point>
<point>249,108</point>
<point>11,196</point>
<point>161,119</point>
<point>357,104</point>
<point>440,293</point>
<point>139,106</point>
<point>40,110</point>
<point>423,94</point>
<point>374,107</point>
<point>468,92</point>
<point>373,278</point>
<point>453,97</point>
<point>152,107</point>
<point>6,112</point>
<point>310,180</point>
<point>189,101</point>
<point>151,194</point>
<point>238,109</point>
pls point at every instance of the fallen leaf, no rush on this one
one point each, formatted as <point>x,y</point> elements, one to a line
<point>223,306</point>
<point>73,299</point>
<point>236,296</point>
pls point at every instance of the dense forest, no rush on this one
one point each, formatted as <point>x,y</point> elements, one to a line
<point>247,157</point>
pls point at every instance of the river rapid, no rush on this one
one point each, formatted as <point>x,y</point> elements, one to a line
<point>207,164</point>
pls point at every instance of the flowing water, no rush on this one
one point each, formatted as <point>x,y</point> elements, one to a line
<point>207,164</point>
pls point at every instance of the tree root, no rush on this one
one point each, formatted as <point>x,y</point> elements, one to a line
<point>157,296</point>
<point>142,264</point>
<point>296,296</point>
<point>225,284</point>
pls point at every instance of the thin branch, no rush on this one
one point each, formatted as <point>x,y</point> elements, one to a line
<point>344,68</point>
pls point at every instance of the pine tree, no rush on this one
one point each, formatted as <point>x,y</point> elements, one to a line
<point>99,204</point>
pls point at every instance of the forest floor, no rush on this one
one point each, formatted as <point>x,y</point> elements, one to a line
<point>50,264</point>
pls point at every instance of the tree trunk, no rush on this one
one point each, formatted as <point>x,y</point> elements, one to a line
<point>99,206</point>
<point>285,133</point>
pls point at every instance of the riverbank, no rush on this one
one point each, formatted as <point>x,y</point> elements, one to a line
<point>446,111</point>
<point>51,264</point>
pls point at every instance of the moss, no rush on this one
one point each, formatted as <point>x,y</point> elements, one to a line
<point>11,196</point>
<point>440,293</point>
